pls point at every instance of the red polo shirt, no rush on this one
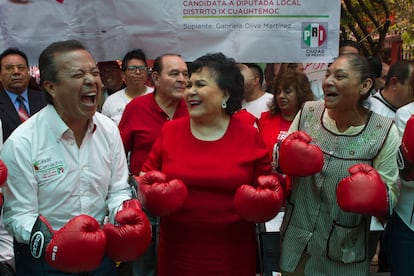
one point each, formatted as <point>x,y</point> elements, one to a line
<point>141,124</point>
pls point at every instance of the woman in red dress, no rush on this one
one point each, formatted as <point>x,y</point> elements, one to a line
<point>214,154</point>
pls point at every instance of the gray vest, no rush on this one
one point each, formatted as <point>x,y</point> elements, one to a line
<point>313,221</point>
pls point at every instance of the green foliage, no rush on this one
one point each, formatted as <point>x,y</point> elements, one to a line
<point>369,21</point>
<point>404,19</point>
<point>366,22</point>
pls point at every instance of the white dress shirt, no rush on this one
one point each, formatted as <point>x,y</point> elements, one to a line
<point>50,175</point>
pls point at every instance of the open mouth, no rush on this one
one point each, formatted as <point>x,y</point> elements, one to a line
<point>194,103</point>
<point>330,94</point>
<point>89,99</point>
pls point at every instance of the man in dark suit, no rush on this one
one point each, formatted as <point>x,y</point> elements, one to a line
<point>14,77</point>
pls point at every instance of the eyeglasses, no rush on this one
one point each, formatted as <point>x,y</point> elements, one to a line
<point>134,68</point>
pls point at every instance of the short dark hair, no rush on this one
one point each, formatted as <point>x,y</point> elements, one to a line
<point>47,63</point>
<point>350,43</point>
<point>110,63</point>
<point>400,70</point>
<point>133,54</point>
<point>227,75</point>
<point>257,70</point>
<point>376,68</point>
<point>13,51</point>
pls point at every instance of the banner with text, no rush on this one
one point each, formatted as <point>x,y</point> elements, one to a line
<point>247,30</point>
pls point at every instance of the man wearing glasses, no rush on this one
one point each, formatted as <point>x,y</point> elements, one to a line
<point>135,74</point>
<point>15,95</point>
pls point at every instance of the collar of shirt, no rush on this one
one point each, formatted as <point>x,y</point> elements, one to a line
<point>13,98</point>
<point>59,127</point>
<point>179,111</point>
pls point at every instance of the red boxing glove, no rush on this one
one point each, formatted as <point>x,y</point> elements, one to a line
<point>78,246</point>
<point>3,173</point>
<point>131,236</point>
<point>363,192</point>
<point>159,196</point>
<point>297,157</point>
<point>262,203</point>
<point>405,157</point>
<point>3,179</point>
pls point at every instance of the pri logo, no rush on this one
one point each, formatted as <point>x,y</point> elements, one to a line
<point>314,35</point>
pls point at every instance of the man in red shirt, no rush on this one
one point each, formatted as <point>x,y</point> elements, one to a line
<point>141,124</point>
